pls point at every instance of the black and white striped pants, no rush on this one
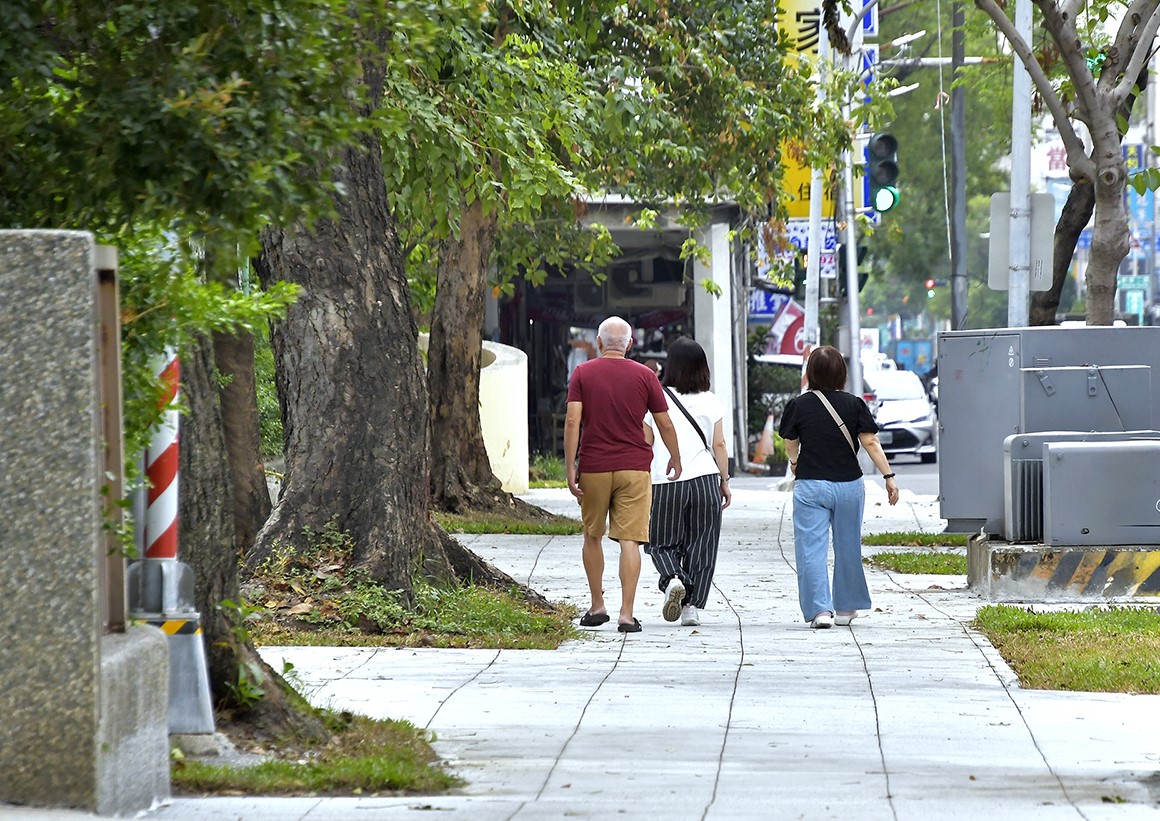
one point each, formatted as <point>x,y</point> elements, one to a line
<point>684,528</point>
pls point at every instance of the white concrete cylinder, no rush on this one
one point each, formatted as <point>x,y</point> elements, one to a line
<point>503,413</point>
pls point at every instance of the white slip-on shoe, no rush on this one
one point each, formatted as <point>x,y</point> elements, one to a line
<point>674,594</point>
<point>822,621</point>
<point>844,619</point>
<point>689,616</point>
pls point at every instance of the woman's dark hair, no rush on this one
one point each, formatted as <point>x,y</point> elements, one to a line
<point>826,370</point>
<point>686,368</point>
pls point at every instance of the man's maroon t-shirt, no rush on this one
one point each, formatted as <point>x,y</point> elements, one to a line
<point>616,394</point>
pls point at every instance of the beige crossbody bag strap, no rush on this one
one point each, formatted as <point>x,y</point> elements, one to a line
<point>838,419</point>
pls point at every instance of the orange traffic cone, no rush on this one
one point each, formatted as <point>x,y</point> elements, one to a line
<point>764,444</point>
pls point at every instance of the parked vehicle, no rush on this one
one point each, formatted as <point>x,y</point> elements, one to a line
<point>904,413</point>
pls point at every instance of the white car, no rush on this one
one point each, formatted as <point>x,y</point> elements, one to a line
<point>904,413</point>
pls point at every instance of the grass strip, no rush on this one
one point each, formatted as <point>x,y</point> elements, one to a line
<point>1112,650</point>
<point>941,564</point>
<point>368,757</point>
<point>914,538</point>
<point>493,523</point>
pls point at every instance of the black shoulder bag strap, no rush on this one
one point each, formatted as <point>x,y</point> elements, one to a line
<point>688,416</point>
<point>838,419</point>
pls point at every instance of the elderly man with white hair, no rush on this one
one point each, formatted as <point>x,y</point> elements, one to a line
<point>609,462</point>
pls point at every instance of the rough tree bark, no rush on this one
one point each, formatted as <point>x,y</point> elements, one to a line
<point>1077,211</point>
<point>352,389</point>
<point>206,533</point>
<point>461,475</point>
<point>234,355</point>
<point>460,471</point>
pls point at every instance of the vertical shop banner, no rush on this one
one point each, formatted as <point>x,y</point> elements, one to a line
<point>802,19</point>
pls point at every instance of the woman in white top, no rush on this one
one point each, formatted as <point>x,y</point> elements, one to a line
<point>685,523</point>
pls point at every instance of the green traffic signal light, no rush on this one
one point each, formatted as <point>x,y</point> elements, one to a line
<point>882,171</point>
<point>885,198</point>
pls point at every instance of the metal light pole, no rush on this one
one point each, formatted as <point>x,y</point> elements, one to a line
<point>958,173</point>
<point>1019,256</point>
<point>812,320</point>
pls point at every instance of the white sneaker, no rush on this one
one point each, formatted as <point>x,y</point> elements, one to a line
<point>689,617</point>
<point>844,619</point>
<point>674,594</point>
<point>822,621</point>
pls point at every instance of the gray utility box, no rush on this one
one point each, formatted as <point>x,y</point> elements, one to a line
<point>999,382</point>
<point>1023,466</point>
<point>1101,493</point>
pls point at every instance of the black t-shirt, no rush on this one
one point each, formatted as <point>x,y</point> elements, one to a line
<point>825,454</point>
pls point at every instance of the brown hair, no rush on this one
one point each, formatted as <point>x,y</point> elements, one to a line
<point>686,368</point>
<point>826,370</point>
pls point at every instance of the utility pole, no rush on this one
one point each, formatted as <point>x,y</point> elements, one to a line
<point>1019,257</point>
<point>958,173</point>
<point>812,319</point>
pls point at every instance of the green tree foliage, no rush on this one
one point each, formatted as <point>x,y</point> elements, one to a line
<point>173,131</point>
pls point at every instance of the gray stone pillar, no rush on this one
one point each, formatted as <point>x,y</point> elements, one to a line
<point>82,714</point>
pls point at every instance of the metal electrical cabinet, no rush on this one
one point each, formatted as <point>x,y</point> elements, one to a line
<point>1101,493</point>
<point>998,382</point>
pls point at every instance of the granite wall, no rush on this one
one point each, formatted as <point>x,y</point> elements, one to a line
<point>53,714</point>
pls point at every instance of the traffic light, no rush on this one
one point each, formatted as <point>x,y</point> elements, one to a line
<point>882,171</point>
<point>929,288</point>
<point>841,259</point>
<point>799,277</point>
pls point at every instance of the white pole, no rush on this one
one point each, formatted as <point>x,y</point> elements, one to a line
<point>1019,257</point>
<point>817,191</point>
<point>853,302</point>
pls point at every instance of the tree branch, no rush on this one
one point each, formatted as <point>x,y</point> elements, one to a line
<point>1140,46</point>
<point>1077,157</point>
<point>1071,8</point>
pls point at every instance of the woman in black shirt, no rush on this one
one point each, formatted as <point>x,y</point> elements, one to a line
<point>829,494</point>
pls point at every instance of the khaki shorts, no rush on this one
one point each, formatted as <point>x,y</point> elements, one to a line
<point>622,498</point>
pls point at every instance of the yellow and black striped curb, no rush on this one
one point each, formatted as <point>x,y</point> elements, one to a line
<point>1080,571</point>
<point>176,627</point>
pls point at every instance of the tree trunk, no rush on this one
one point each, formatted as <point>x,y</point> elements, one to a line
<point>234,355</point>
<point>461,475</point>
<point>460,470</point>
<point>1077,211</point>
<point>206,544</point>
<point>351,388</point>
<point>1109,234</point>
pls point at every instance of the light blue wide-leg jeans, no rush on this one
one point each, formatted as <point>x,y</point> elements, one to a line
<point>820,506</point>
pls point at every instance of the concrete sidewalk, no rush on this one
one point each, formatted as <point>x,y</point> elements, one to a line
<point>909,714</point>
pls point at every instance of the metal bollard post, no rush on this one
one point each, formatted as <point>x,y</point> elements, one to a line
<point>161,587</point>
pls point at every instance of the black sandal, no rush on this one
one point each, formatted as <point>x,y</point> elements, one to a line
<point>593,619</point>
<point>629,628</point>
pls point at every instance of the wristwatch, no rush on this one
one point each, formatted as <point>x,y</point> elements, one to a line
<point>888,475</point>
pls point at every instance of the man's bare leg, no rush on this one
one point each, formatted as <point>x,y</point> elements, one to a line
<point>629,577</point>
<point>594,570</point>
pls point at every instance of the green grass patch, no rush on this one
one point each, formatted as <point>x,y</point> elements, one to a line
<point>317,598</point>
<point>546,467</point>
<point>492,523</point>
<point>913,538</point>
<point>551,483</point>
<point>1113,650</point>
<point>946,564</point>
<point>366,757</point>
